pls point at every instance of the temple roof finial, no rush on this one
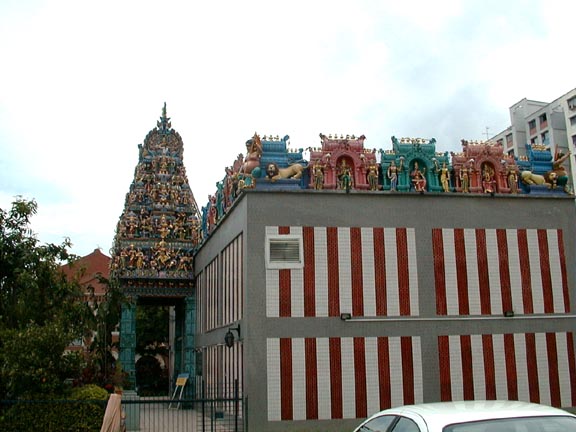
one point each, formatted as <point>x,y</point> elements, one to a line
<point>164,123</point>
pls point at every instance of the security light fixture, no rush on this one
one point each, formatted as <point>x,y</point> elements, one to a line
<point>229,336</point>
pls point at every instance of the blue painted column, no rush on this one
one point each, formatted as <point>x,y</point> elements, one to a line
<point>188,340</point>
<point>128,340</point>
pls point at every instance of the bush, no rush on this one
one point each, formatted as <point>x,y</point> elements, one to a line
<point>83,412</point>
<point>89,392</point>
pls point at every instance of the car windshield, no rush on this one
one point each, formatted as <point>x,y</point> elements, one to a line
<point>517,424</point>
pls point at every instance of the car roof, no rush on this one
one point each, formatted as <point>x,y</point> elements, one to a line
<point>439,414</point>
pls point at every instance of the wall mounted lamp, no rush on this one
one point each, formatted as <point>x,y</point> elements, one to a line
<point>229,336</point>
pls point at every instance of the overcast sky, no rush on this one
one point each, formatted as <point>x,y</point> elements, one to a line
<point>82,83</point>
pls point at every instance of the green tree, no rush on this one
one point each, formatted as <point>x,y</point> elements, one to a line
<point>41,311</point>
<point>152,330</point>
<point>102,364</point>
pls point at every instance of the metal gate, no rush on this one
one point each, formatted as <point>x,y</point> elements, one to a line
<point>179,415</point>
<point>144,414</point>
<point>203,414</point>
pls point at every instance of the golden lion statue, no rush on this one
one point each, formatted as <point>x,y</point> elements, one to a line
<point>549,179</point>
<point>293,171</point>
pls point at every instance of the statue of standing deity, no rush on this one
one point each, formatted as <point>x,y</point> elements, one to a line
<point>392,174</point>
<point>318,174</point>
<point>444,177</point>
<point>373,177</point>
<point>465,179</point>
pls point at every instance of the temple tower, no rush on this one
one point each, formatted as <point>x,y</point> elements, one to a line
<point>154,244</point>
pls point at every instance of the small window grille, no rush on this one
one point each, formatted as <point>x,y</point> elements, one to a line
<point>284,251</point>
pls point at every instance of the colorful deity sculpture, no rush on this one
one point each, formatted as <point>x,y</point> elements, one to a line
<point>253,154</point>
<point>414,165</point>
<point>444,175</point>
<point>343,163</point>
<point>392,173</point>
<point>372,176</point>
<point>418,178</point>
<point>318,175</point>
<point>482,167</point>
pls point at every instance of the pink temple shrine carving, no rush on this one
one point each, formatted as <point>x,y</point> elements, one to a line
<point>343,163</point>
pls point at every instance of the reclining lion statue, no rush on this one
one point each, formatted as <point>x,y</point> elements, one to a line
<point>550,179</point>
<point>293,171</point>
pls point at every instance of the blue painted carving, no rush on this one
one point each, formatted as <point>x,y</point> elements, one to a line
<point>540,159</point>
<point>275,152</point>
<point>542,173</point>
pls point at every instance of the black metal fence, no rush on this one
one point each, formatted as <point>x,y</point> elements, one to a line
<point>178,415</point>
<point>144,414</point>
<point>221,413</point>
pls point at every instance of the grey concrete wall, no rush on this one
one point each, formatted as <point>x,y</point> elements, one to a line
<point>256,210</point>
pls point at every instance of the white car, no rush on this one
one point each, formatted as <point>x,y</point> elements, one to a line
<point>471,416</point>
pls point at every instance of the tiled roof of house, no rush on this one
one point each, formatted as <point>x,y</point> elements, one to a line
<point>87,268</point>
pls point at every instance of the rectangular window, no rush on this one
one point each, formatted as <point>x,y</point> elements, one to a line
<point>543,121</point>
<point>284,251</point>
<point>509,140</point>
<point>532,126</point>
<point>545,138</point>
<point>573,121</point>
<point>572,103</point>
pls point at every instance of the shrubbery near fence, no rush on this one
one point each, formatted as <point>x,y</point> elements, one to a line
<point>83,412</point>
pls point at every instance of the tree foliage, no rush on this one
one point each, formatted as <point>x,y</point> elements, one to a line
<point>152,330</point>
<point>41,311</point>
<point>103,368</point>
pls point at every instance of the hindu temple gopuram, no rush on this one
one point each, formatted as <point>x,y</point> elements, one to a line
<point>336,279</point>
<point>155,240</point>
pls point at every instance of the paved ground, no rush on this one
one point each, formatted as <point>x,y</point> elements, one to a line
<point>164,417</point>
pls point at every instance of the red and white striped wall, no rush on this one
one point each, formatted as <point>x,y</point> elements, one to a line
<point>489,271</point>
<point>338,378</point>
<point>534,367</point>
<point>357,270</point>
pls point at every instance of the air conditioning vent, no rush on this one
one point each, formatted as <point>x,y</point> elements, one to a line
<point>284,251</point>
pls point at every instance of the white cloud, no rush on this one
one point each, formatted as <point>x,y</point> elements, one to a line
<point>84,83</point>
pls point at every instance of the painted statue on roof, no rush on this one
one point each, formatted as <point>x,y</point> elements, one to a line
<point>541,173</point>
<point>414,165</point>
<point>483,167</point>
<point>342,162</point>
